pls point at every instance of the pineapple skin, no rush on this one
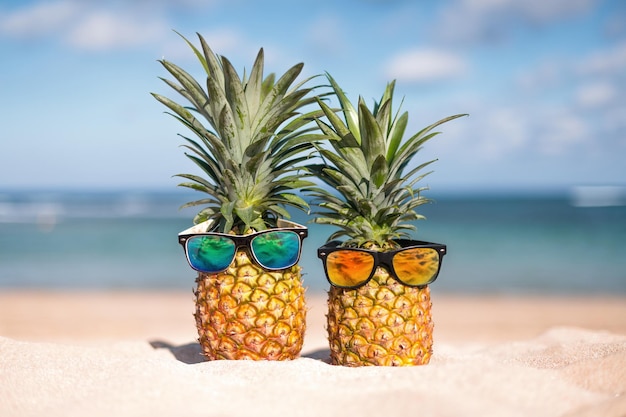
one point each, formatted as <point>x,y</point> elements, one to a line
<point>382,323</point>
<point>249,313</point>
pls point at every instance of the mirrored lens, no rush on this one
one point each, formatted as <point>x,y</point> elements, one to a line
<point>416,266</point>
<point>210,253</point>
<point>349,268</point>
<point>277,249</point>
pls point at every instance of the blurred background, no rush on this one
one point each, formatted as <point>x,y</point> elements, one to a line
<point>530,190</point>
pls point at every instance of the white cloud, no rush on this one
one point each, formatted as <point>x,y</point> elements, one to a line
<point>507,130</point>
<point>227,42</point>
<point>488,20</point>
<point>592,80</point>
<point>605,62</point>
<point>545,11</point>
<point>39,19</point>
<point>545,75</point>
<point>559,129</point>
<point>223,41</point>
<point>490,133</point>
<point>85,25</point>
<point>590,92</point>
<point>424,65</point>
<point>100,30</point>
<point>510,129</point>
<point>325,34</point>
<point>615,26</point>
<point>614,122</point>
<point>595,94</point>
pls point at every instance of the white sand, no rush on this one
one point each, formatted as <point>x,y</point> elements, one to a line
<point>126,354</point>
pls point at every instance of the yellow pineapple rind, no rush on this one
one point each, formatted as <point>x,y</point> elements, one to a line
<point>382,323</point>
<point>249,313</point>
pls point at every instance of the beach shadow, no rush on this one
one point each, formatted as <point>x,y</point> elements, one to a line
<point>320,355</point>
<point>190,353</point>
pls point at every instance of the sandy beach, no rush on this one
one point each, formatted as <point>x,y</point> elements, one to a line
<point>76,353</point>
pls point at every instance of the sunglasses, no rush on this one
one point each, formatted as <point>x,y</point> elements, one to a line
<point>415,264</point>
<point>272,249</point>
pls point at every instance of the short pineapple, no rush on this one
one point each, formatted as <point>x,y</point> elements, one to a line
<point>372,200</point>
<point>249,157</point>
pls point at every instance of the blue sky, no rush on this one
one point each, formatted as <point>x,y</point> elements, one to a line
<point>544,82</point>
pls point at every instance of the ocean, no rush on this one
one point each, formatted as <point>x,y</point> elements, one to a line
<point>504,244</point>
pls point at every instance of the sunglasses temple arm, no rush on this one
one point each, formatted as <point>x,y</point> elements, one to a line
<point>289,223</point>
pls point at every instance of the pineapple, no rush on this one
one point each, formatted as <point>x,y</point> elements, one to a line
<point>249,154</point>
<point>372,202</point>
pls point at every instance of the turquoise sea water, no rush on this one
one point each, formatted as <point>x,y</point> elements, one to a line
<point>123,240</point>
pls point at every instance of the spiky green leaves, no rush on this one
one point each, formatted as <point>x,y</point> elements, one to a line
<point>366,164</point>
<point>253,142</point>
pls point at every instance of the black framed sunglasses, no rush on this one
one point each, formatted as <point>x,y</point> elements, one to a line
<point>272,249</point>
<point>414,264</point>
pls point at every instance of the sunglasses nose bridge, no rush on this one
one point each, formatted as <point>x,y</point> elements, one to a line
<point>384,259</point>
<point>242,246</point>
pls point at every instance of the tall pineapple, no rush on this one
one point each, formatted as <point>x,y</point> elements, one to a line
<point>249,152</point>
<point>372,200</point>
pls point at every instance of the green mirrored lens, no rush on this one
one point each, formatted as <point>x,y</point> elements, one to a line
<point>349,268</point>
<point>276,249</point>
<point>210,253</point>
<point>416,266</point>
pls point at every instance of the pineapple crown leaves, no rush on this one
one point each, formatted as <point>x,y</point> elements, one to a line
<point>372,196</point>
<point>253,141</point>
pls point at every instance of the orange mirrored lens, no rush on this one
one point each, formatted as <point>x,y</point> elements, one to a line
<point>417,266</point>
<point>348,268</point>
